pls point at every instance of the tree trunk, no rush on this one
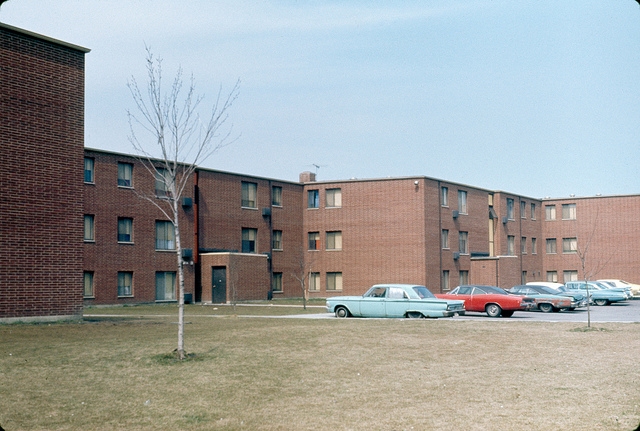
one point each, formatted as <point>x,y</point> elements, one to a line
<point>180,351</point>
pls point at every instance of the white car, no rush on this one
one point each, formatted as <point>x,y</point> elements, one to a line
<point>635,288</point>
<point>554,286</point>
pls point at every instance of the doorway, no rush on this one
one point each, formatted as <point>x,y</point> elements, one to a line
<point>219,284</point>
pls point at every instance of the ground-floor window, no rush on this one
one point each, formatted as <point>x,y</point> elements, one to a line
<point>314,281</point>
<point>552,276</point>
<point>570,275</point>
<point>88,285</point>
<point>464,277</point>
<point>125,284</point>
<point>276,284</point>
<point>445,280</point>
<point>165,286</point>
<point>334,281</point>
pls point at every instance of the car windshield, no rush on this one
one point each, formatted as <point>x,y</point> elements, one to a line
<point>545,289</point>
<point>423,292</point>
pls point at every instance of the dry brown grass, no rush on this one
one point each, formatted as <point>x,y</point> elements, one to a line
<point>302,374</point>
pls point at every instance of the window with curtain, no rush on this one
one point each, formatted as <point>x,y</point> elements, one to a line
<point>87,291</point>
<point>464,277</point>
<point>314,281</point>
<point>550,212</point>
<point>276,196</point>
<point>334,240</point>
<point>334,198</point>
<point>552,276</point>
<point>523,209</point>
<point>89,232</point>
<point>249,237</point>
<point>165,286</point>
<point>89,164</point>
<point>463,242</point>
<point>445,280</point>
<point>314,240</point>
<point>444,196</point>
<point>276,284</point>
<point>511,245</point>
<point>510,209</point>
<point>125,174</point>
<point>569,245</point>
<point>568,211</point>
<point>334,281</point>
<point>165,235</point>
<point>551,246</point>
<point>445,238</point>
<point>125,229</point>
<point>313,199</point>
<point>462,201</point>
<point>249,195</point>
<point>125,283</point>
<point>277,240</point>
<point>162,182</point>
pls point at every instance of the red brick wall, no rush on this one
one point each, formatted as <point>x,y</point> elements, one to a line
<point>41,146</point>
<point>107,202</point>
<point>247,275</point>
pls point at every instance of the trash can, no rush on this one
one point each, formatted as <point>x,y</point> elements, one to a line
<point>188,298</point>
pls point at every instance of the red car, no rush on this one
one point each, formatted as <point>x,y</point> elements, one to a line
<point>492,300</point>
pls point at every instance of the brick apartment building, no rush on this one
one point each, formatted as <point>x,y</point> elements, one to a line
<point>75,230</point>
<point>41,141</point>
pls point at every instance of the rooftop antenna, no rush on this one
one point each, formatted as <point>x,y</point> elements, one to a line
<point>318,167</point>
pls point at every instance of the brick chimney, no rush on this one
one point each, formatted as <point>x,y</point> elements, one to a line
<point>307,177</point>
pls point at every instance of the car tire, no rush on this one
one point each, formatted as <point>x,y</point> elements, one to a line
<point>414,315</point>
<point>601,301</point>
<point>571,309</point>
<point>545,308</point>
<point>342,312</point>
<point>507,313</point>
<point>493,310</point>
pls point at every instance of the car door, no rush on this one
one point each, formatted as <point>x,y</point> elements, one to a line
<point>373,305</point>
<point>397,302</point>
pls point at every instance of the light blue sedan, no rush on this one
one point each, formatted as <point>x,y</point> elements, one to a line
<point>597,294</point>
<point>395,300</point>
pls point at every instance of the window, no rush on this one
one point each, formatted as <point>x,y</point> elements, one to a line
<point>276,196</point>
<point>89,164</point>
<point>249,237</point>
<point>276,283</point>
<point>334,281</point>
<point>314,240</point>
<point>125,174</point>
<point>89,231</point>
<point>569,245</point>
<point>444,196</point>
<point>334,240</point>
<point>550,212</point>
<point>87,292</point>
<point>511,245</point>
<point>463,242</point>
<point>334,198</point>
<point>510,209</point>
<point>445,280</point>
<point>533,211</point>
<point>551,246</point>
<point>462,202</point>
<point>552,276</point>
<point>165,236</point>
<point>568,211</point>
<point>523,245</point>
<point>570,276</point>
<point>249,195</point>
<point>523,209</point>
<point>523,279</point>
<point>534,246</point>
<point>445,238</point>
<point>162,182</point>
<point>464,277</point>
<point>277,240</point>
<point>165,286</point>
<point>314,281</point>
<point>125,281</point>
<point>125,229</point>
<point>313,199</point>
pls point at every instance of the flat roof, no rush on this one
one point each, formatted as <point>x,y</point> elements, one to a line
<point>45,38</point>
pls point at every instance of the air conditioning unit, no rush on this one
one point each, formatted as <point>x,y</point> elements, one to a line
<point>456,255</point>
<point>266,212</point>
<point>504,220</point>
<point>187,253</point>
<point>455,213</point>
<point>187,202</point>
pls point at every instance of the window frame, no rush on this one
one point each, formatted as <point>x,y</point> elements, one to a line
<point>89,228</point>
<point>122,175</point>
<point>511,245</point>
<point>162,276</point>
<point>463,202</point>
<point>160,185</point>
<point>551,243</point>
<point>249,240</point>
<point>333,197</point>
<point>445,239</point>
<point>125,281</point>
<point>277,240</point>
<point>165,236</point>
<point>88,289</point>
<point>276,283</point>
<point>444,196</point>
<point>90,170</point>
<point>533,211</point>
<point>316,240</point>
<point>334,281</point>
<point>549,212</point>
<point>313,199</point>
<point>249,195</point>
<point>463,242</point>
<point>445,282</point>
<point>569,211</point>
<point>570,245</point>
<point>523,210</point>
<point>122,222</point>
<point>333,240</point>
<point>314,281</point>
<point>276,196</point>
<point>511,209</point>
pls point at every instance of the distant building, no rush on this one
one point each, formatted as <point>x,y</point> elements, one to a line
<point>75,232</point>
<point>41,145</point>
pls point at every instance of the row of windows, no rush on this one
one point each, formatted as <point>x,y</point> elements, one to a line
<point>165,285</point>
<point>569,245</point>
<point>445,280</point>
<point>462,199</point>
<point>568,212</point>
<point>165,232</point>
<point>567,275</point>
<point>249,198</point>
<point>333,240</point>
<point>333,198</point>
<point>333,282</point>
<point>523,210</point>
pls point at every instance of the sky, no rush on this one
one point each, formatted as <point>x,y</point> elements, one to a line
<point>536,97</point>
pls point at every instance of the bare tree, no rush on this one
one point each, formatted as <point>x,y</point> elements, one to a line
<point>302,273</point>
<point>170,123</point>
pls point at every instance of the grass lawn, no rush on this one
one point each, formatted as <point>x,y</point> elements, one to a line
<point>254,373</point>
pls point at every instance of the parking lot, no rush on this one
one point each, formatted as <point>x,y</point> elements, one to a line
<point>628,311</point>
